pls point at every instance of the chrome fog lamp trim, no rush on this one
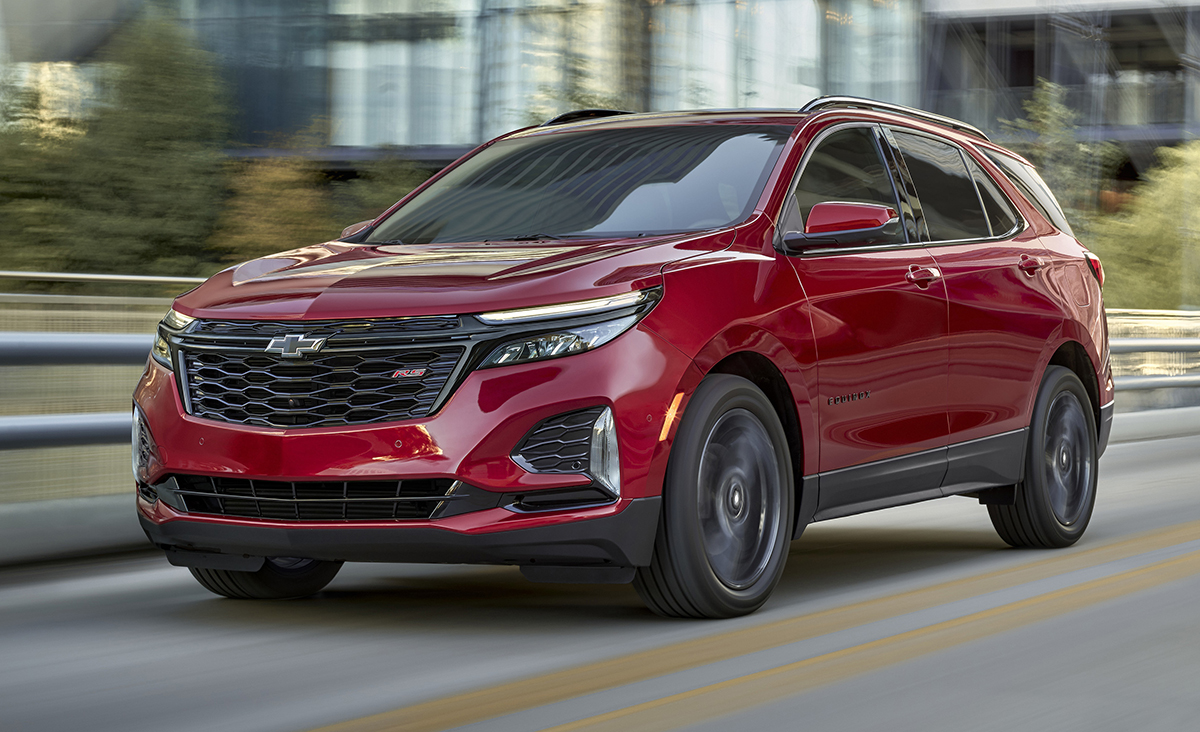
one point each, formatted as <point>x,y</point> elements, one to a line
<point>604,459</point>
<point>564,310</point>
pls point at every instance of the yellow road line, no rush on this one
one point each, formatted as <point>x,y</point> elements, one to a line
<point>557,686</point>
<point>724,698</point>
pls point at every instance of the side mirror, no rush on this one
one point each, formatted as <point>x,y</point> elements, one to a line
<point>833,224</point>
<point>353,229</point>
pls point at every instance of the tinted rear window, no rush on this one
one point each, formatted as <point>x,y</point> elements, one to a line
<point>598,183</point>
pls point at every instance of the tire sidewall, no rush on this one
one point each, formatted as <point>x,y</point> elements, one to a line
<point>1036,493</point>
<point>716,396</point>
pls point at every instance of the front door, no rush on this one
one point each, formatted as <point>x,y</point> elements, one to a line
<point>880,323</point>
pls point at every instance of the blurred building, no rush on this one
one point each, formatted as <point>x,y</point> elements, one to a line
<point>1131,69</point>
<point>456,72</point>
<point>447,74</point>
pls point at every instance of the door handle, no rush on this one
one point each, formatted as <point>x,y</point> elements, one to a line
<point>1029,264</point>
<point>922,276</point>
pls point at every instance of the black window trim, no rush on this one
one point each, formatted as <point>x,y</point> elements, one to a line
<point>1021,224</point>
<point>902,200</point>
<point>892,156</point>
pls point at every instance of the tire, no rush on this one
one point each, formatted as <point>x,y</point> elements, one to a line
<point>729,466</point>
<point>279,579</point>
<point>1054,503</point>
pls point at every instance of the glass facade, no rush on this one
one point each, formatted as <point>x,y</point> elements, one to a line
<point>367,73</point>
<point>457,72</point>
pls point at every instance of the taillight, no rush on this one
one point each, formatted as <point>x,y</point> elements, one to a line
<point>1096,267</point>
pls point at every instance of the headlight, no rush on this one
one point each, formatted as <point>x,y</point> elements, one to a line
<point>173,320</point>
<point>161,351</point>
<point>622,311</point>
<point>564,343</point>
<point>176,320</point>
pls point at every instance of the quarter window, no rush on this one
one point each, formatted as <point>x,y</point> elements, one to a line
<point>1027,180</point>
<point>847,167</point>
<point>999,211</point>
<point>951,206</point>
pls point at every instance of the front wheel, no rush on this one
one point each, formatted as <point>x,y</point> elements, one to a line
<point>1054,503</point>
<point>727,507</point>
<point>280,578</point>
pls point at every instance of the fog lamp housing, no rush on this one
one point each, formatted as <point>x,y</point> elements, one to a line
<point>604,458</point>
<point>145,457</point>
<point>583,442</point>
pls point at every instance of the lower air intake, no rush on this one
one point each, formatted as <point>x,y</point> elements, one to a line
<point>357,500</point>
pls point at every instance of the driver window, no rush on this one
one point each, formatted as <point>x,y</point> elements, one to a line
<point>846,166</point>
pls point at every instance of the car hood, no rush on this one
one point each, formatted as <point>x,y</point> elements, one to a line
<point>340,280</point>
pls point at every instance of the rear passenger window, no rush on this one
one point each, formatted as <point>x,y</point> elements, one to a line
<point>999,211</point>
<point>949,202</point>
<point>845,167</point>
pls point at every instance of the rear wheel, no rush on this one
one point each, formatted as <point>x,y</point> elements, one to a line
<point>1054,503</point>
<point>727,507</point>
<point>280,578</point>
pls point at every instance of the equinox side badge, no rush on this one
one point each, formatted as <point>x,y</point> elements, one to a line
<point>850,397</point>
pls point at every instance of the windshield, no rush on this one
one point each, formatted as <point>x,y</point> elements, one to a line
<point>595,184</point>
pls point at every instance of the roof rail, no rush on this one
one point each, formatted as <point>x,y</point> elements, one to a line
<point>578,114</point>
<point>843,102</point>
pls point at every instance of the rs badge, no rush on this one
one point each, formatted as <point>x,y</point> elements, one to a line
<point>408,373</point>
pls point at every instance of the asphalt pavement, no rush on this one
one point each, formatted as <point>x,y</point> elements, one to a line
<point>915,618</point>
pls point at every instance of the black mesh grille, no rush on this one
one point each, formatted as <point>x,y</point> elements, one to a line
<point>319,390</point>
<point>313,501</point>
<point>559,444</point>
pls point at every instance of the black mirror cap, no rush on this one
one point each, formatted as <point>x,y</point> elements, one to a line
<point>797,242</point>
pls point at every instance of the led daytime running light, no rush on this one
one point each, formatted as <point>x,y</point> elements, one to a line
<point>176,320</point>
<point>567,309</point>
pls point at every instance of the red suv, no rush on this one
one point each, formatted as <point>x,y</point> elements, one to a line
<point>638,347</point>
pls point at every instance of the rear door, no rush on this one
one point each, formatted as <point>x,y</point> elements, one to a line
<point>881,336</point>
<point>1001,312</point>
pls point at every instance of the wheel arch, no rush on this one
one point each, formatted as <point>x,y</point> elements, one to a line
<point>763,373</point>
<point>1073,356</point>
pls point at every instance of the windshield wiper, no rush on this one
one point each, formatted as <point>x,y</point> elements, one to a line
<point>532,237</point>
<point>388,241</point>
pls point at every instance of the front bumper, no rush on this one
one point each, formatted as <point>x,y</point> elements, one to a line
<point>623,538</point>
<point>470,439</point>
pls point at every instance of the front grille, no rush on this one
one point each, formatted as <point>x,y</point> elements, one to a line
<point>560,444</point>
<point>319,390</point>
<point>360,500</point>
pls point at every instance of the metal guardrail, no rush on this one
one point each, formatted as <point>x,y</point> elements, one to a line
<point>66,430</point>
<point>80,277</point>
<point>58,349</point>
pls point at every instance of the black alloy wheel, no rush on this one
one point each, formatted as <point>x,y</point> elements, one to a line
<point>1054,503</point>
<point>280,578</point>
<point>727,507</point>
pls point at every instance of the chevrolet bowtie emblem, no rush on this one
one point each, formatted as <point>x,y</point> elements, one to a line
<point>294,345</point>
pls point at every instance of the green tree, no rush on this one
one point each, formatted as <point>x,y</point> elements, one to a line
<point>150,176</point>
<point>1048,137</point>
<point>137,187</point>
<point>1148,248</point>
<point>275,204</point>
<point>380,183</point>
